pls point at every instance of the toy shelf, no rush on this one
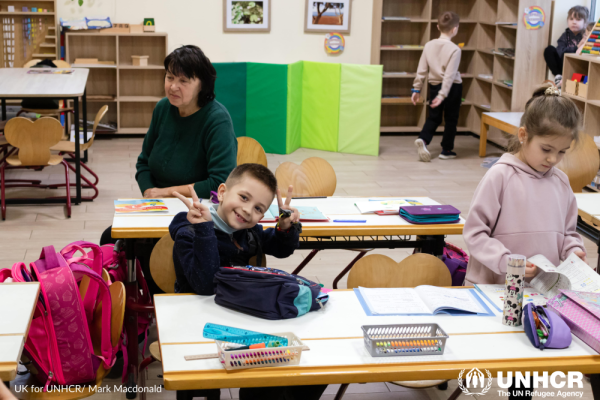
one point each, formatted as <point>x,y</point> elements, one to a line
<point>483,72</point>
<point>131,92</point>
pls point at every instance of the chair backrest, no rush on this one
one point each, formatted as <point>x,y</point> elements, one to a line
<point>99,115</point>
<point>581,163</point>
<point>314,177</point>
<point>31,63</point>
<point>162,268</point>
<point>379,271</point>
<point>250,151</point>
<point>33,139</point>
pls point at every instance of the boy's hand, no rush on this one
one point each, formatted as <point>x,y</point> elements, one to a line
<point>198,213</point>
<point>286,223</point>
<point>581,255</point>
<point>415,98</point>
<point>530,270</point>
<point>436,102</point>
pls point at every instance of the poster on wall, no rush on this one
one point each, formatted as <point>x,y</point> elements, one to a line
<point>534,18</point>
<point>246,16</point>
<point>323,16</point>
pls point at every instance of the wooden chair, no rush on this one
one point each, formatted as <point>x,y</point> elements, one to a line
<point>68,147</point>
<point>379,271</point>
<point>250,151</point>
<point>33,139</point>
<point>581,163</point>
<point>117,294</point>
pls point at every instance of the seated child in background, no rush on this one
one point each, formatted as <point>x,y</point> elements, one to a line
<point>206,239</point>
<point>568,42</point>
<point>524,204</point>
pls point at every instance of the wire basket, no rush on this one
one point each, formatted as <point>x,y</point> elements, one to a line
<point>265,357</point>
<point>404,339</point>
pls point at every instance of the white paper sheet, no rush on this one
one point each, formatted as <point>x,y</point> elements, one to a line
<point>572,274</point>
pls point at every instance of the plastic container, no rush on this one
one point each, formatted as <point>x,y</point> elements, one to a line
<point>265,357</point>
<point>404,339</point>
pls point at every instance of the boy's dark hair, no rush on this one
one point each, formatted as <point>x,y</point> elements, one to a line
<point>579,12</point>
<point>448,21</point>
<point>256,171</point>
<point>190,61</point>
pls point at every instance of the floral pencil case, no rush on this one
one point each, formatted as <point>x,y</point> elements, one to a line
<point>545,328</point>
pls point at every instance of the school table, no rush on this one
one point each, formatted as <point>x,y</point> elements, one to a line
<point>588,222</point>
<point>388,231</point>
<point>16,83</point>
<point>18,303</point>
<point>337,353</point>
<point>505,121</point>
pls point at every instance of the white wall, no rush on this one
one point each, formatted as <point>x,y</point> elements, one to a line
<point>200,22</point>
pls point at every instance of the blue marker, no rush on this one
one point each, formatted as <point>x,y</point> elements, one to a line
<point>350,220</point>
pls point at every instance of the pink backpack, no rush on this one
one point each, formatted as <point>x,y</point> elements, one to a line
<point>59,345</point>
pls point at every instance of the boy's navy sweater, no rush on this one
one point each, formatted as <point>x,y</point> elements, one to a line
<point>568,41</point>
<point>200,250</point>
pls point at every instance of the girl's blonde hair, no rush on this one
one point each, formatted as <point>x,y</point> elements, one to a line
<point>547,113</point>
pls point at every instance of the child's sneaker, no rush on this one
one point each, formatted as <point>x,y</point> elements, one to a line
<point>447,155</point>
<point>424,154</point>
<point>558,81</point>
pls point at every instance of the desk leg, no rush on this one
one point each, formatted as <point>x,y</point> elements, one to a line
<point>85,125</point>
<point>433,244</point>
<point>595,382</point>
<point>131,319</point>
<point>77,154</point>
<point>3,109</point>
<point>483,136</point>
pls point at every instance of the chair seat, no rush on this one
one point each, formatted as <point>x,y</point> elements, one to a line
<point>15,162</point>
<point>66,146</point>
<point>420,384</point>
<point>155,351</point>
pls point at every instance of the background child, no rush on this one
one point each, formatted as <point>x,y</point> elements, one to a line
<point>567,43</point>
<point>441,58</point>
<point>524,204</point>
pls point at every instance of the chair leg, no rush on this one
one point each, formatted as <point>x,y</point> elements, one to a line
<point>348,268</point>
<point>305,261</point>
<point>455,394</point>
<point>341,391</point>
<point>68,187</point>
<point>2,193</point>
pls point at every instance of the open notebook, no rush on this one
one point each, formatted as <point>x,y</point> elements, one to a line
<point>307,214</point>
<point>422,300</point>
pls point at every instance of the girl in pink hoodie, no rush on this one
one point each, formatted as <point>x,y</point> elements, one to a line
<point>524,205</point>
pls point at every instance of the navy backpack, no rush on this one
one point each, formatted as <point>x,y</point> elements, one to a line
<point>267,293</point>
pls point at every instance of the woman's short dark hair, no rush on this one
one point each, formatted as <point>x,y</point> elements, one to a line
<point>190,61</point>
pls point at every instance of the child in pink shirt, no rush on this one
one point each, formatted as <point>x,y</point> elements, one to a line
<point>524,204</point>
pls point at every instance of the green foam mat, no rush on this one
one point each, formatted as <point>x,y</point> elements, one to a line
<point>230,90</point>
<point>294,106</point>
<point>360,109</point>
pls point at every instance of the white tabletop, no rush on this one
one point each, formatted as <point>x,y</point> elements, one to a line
<point>588,203</point>
<point>17,83</point>
<point>333,207</point>
<point>512,118</point>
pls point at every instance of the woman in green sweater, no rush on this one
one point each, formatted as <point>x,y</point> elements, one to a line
<point>191,138</point>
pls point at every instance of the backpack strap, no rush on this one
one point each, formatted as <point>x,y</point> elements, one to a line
<point>20,273</point>
<point>108,356</point>
<point>50,258</point>
<point>5,273</point>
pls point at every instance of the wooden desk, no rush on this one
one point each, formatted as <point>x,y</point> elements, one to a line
<point>16,83</point>
<point>337,353</point>
<point>588,223</point>
<point>18,300</point>
<point>505,121</point>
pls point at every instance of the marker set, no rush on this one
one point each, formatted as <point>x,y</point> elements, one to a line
<point>8,42</point>
<point>404,339</point>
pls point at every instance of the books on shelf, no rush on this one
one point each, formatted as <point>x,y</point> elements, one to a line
<point>506,52</point>
<point>395,18</point>
<point>485,76</point>
<point>140,206</point>
<point>507,82</point>
<point>422,300</point>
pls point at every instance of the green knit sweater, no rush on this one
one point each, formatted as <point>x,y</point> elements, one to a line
<point>199,149</point>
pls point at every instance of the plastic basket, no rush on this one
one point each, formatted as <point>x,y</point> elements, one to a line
<point>404,339</point>
<point>265,357</point>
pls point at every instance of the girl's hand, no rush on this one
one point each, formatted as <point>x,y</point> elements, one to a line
<point>530,270</point>
<point>286,223</point>
<point>415,98</point>
<point>198,212</point>
<point>581,254</point>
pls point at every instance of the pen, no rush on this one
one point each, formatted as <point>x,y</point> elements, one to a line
<point>316,197</point>
<point>350,220</point>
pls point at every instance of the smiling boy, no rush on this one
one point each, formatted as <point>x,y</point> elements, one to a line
<point>206,239</point>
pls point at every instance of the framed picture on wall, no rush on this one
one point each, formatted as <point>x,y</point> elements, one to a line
<point>324,16</point>
<point>246,16</point>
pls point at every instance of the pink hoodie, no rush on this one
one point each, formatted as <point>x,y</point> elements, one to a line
<point>516,209</point>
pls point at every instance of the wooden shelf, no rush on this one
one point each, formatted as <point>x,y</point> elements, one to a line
<point>466,76</point>
<point>43,55</point>
<point>94,66</point>
<point>402,49</point>
<point>140,99</point>
<point>595,103</point>
<point>488,80</point>
<point>466,103</point>
<point>480,106</point>
<point>411,20</point>
<point>411,75</point>
<point>462,21</point>
<point>47,45</point>
<point>128,66</point>
<point>101,98</point>
<point>400,129</point>
<point>132,130</point>
<point>571,96</point>
<point>458,129</point>
<point>497,83</point>
<point>51,37</point>
<point>41,14</point>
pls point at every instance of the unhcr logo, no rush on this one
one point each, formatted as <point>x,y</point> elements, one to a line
<point>475,382</point>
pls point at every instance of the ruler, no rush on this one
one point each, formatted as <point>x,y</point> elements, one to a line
<point>240,336</point>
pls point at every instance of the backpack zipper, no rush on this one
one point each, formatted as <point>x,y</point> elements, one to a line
<point>50,376</point>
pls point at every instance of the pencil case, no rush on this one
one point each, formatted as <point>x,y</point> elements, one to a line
<point>404,339</point>
<point>425,215</point>
<point>581,312</point>
<point>264,357</point>
<point>538,319</point>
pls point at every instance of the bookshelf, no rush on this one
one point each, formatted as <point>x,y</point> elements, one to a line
<point>414,22</point>
<point>131,92</point>
<point>25,34</point>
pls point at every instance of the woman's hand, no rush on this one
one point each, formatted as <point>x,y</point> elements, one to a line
<point>198,212</point>
<point>415,98</point>
<point>157,193</point>
<point>286,223</point>
<point>530,270</point>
